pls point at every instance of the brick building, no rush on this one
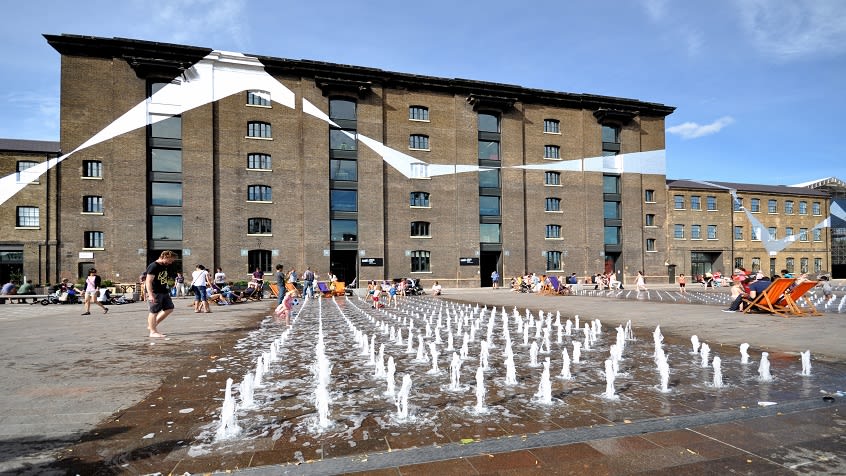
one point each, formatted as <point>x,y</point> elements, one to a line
<point>245,162</point>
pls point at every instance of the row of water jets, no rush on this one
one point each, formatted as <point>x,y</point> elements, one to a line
<point>229,428</point>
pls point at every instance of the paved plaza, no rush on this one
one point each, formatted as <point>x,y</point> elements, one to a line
<point>94,395</point>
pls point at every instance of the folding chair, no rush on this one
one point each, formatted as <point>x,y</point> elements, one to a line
<point>793,296</point>
<point>274,290</point>
<point>321,286</point>
<point>768,300</point>
<point>340,289</point>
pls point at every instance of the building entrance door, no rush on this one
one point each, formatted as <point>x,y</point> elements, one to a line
<point>342,263</point>
<point>488,262</point>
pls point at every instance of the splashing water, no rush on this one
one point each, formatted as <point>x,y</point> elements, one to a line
<point>704,351</point>
<point>806,362</point>
<point>565,366</point>
<point>718,372</point>
<point>228,421</point>
<point>744,355</point>
<point>480,390</point>
<point>764,368</point>
<point>510,371</point>
<point>609,380</point>
<point>402,397</point>
<point>544,394</point>
<point>695,341</point>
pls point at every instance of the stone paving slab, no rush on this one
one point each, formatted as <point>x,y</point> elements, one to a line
<point>65,374</point>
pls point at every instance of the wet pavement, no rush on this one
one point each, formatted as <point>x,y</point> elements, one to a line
<point>93,395</point>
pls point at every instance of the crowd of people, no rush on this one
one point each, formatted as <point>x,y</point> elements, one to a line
<point>568,284</point>
<point>746,286</point>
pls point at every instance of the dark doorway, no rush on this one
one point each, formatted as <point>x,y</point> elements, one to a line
<point>488,262</point>
<point>342,263</point>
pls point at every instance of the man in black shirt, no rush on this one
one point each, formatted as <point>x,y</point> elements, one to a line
<point>157,293</point>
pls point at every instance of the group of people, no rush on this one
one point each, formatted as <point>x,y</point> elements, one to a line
<point>534,283</point>
<point>746,286</point>
<point>13,288</point>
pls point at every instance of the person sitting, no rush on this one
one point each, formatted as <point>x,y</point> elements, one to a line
<point>8,289</point>
<point>759,285</point>
<point>251,292</point>
<point>437,289</point>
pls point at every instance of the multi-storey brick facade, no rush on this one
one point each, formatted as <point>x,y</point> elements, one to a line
<point>28,219</point>
<point>537,181</point>
<point>709,231</point>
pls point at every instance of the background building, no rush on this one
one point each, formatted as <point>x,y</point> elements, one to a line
<point>365,173</point>
<point>28,220</point>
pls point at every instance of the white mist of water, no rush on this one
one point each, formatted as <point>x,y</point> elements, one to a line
<point>764,368</point>
<point>609,380</point>
<point>483,355</point>
<point>694,340</point>
<point>402,397</point>
<point>480,390</point>
<point>392,369</point>
<point>744,355</point>
<point>245,390</point>
<point>533,354</point>
<point>718,372</point>
<point>704,351</point>
<point>433,350</point>
<point>228,421</point>
<point>806,362</point>
<point>664,372</point>
<point>455,372</point>
<point>510,371</point>
<point>544,394</point>
<point>577,352</point>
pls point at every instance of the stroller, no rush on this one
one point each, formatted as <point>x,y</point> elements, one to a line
<point>413,288</point>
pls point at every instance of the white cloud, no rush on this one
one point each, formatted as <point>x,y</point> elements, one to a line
<point>692,130</point>
<point>791,29</point>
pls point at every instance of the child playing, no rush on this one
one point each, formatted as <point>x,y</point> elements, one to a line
<point>283,310</point>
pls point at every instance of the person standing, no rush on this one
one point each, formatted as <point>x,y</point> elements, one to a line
<point>640,282</point>
<point>308,282</point>
<point>220,278</point>
<point>280,284</point>
<point>199,284</point>
<point>682,283</point>
<point>158,297</point>
<point>92,292</point>
<point>495,279</point>
<point>179,282</point>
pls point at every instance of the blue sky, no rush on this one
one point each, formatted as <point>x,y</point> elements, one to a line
<point>759,85</point>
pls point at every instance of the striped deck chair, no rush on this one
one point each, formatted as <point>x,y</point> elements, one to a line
<point>796,294</point>
<point>768,300</point>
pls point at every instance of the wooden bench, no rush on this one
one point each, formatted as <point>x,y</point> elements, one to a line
<point>24,297</point>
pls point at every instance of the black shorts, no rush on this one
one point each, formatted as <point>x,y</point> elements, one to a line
<point>163,303</point>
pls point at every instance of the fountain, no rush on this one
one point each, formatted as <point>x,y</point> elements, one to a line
<point>455,373</point>
<point>718,372</point>
<point>744,355</point>
<point>544,394</point>
<point>764,368</point>
<point>246,391</point>
<point>565,365</point>
<point>664,372</point>
<point>577,351</point>
<point>402,397</point>
<point>480,390</point>
<point>433,350</point>
<point>228,421</point>
<point>704,350</point>
<point>392,368</point>
<point>510,371</point>
<point>483,355</point>
<point>533,355</point>
<point>694,339</point>
<point>806,363</point>
<point>609,381</point>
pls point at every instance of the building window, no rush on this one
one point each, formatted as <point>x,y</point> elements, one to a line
<point>803,234</point>
<point>817,234</point>
<point>258,98</point>
<point>489,178</point>
<point>259,226</point>
<point>488,150</point>
<point>552,178</point>
<point>259,193</point>
<point>611,184</point>
<point>553,231</point>
<point>649,219</point>
<point>772,206</point>
<point>489,205</point>
<point>488,123</point>
<point>772,232</point>
<point>346,170</point>
<point>341,200</point>
<point>419,199</point>
<point>755,236</point>
<point>93,239</point>
<point>553,204</point>
<point>420,261</point>
<point>788,233</point>
<point>737,204</point>
<point>611,210</point>
<point>817,265</point>
<point>803,265</point>
<point>649,196</point>
<point>756,264</point>
<point>816,210</point>
<point>711,203</point>
<point>551,152</point>
<point>695,202</point>
<point>678,231</point>
<point>788,264</point>
<point>490,233</point>
<point>418,141</point>
<point>168,128</point>
<point>611,134</point>
<point>678,202</point>
<point>756,205</point>
<point>650,244</point>
<point>27,217</point>
<point>166,160</point>
<point>788,207</point>
<point>695,232</point>
<point>551,126</point>
<point>92,169</point>
<point>418,113</point>
<point>611,235</point>
<point>738,233</point>
<point>553,261</point>
<point>21,166</point>
<point>420,229</point>
<point>259,129</point>
<point>258,161</point>
<point>712,232</point>
<point>259,259</point>
<point>342,108</point>
<point>343,230</point>
<point>166,227</point>
<point>92,204</point>
<point>340,139</point>
<point>803,207</point>
<point>166,194</point>
<point>738,262</point>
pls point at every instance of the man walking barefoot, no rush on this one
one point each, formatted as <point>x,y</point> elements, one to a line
<point>158,296</point>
